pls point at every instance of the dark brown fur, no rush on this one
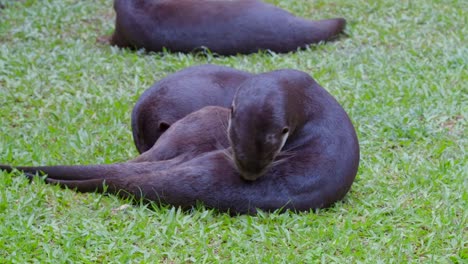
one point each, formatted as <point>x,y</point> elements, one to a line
<point>224,27</point>
<point>315,167</point>
<point>179,94</point>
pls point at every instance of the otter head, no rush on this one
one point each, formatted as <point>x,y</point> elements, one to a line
<point>148,125</point>
<point>150,134</point>
<point>257,131</point>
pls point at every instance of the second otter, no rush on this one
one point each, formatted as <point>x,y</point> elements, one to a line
<point>224,27</point>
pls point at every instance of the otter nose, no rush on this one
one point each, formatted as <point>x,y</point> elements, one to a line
<point>250,170</point>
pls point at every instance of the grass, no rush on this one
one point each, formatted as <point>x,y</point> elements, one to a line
<point>401,75</point>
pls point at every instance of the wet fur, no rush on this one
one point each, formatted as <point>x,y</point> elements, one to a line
<point>224,27</point>
<point>316,167</point>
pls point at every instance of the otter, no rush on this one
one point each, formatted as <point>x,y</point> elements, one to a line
<point>179,94</point>
<point>224,27</point>
<point>285,144</point>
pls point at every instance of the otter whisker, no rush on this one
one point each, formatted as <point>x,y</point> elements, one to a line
<point>278,162</point>
<point>227,153</point>
<point>286,154</point>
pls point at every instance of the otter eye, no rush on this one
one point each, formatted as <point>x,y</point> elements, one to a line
<point>285,130</point>
<point>163,126</point>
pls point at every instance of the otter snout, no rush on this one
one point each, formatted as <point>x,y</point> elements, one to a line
<point>251,170</point>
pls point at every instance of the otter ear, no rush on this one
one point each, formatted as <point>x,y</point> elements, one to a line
<point>163,126</point>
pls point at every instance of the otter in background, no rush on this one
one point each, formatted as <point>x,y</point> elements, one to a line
<point>224,27</point>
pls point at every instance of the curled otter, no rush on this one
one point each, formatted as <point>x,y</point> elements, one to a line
<point>303,140</point>
<point>224,27</point>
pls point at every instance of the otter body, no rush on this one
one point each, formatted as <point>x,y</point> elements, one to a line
<point>224,27</point>
<point>287,145</point>
<point>179,94</point>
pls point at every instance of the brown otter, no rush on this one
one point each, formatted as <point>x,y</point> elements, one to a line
<point>224,27</point>
<point>294,146</point>
<point>179,94</point>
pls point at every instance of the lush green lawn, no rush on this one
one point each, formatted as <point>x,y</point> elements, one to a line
<point>401,75</point>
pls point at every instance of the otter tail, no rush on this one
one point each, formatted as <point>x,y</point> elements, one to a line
<point>144,180</point>
<point>328,29</point>
<point>88,178</point>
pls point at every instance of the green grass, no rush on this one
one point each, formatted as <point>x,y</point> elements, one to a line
<point>401,75</point>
